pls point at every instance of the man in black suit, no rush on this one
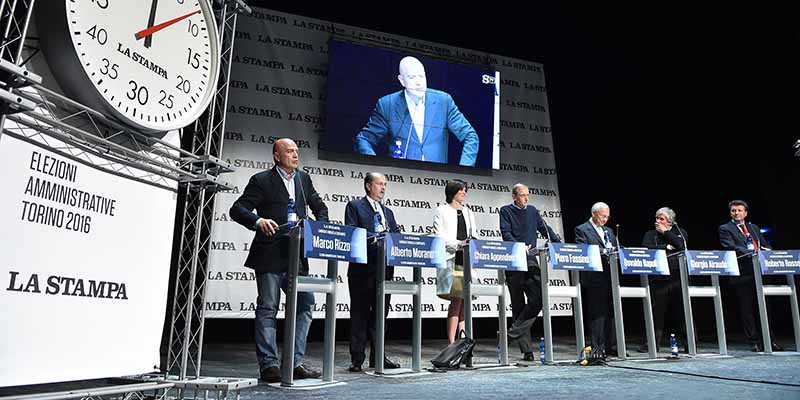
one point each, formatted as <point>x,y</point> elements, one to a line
<point>746,240</point>
<point>596,286</point>
<point>368,213</point>
<point>665,291</point>
<point>270,193</point>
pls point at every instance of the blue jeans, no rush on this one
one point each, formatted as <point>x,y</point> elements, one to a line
<point>269,299</point>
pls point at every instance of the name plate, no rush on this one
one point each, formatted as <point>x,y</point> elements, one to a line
<point>404,250</point>
<point>643,262</point>
<point>779,262</point>
<point>716,262</point>
<point>489,254</point>
<point>576,257</point>
<point>334,242</point>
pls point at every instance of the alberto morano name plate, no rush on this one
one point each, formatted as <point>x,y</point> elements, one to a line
<point>487,254</point>
<point>334,242</point>
<point>404,250</point>
<point>780,262</point>
<point>643,262</point>
<point>712,262</point>
<point>576,257</point>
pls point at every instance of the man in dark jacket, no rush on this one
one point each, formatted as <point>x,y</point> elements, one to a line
<point>665,291</point>
<point>519,222</point>
<point>368,213</point>
<point>596,286</point>
<point>745,238</point>
<point>270,194</point>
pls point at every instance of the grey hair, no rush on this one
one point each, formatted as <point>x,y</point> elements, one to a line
<point>667,212</point>
<point>516,188</point>
<point>599,206</point>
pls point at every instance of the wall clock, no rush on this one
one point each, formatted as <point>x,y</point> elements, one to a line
<point>153,64</point>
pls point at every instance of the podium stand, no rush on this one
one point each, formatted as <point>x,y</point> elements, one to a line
<point>643,292</point>
<point>776,262</point>
<point>573,292</point>
<point>500,256</point>
<point>730,267</point>
<point>300,246</point>
<point>419,252</point>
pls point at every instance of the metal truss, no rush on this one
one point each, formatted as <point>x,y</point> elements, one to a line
<point>136,391</point>
<point>205,138</point>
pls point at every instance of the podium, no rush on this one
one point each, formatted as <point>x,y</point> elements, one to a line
<point>776,262</point>
<point>322,240</point>
<point>642,262</point>
<point>705,263</point>
<point>499,256</point>
<point>402,250</point>
<point>573,258</point>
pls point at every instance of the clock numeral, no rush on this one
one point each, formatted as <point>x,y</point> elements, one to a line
<point>194,59</point>
<point>138,93</point>
<point>193,28</point>
<point>108,69</point>
<point>101,3</point>
<point>98,34</point>
<point>184,85</point>
<point>166,101</point>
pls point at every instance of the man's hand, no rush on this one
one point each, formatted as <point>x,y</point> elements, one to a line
<point>661,228</point>
<point>528,249</point>
<point>267,226</point>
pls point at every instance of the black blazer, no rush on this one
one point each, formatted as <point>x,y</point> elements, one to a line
<point>676,237</point>
<point>266,194</point>
<point>360,213</point>
<point>585,233</point>
<point>731,238</point>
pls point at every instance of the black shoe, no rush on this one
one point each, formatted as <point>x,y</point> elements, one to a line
<point>303,372</point>
<point>355,368</point>
<point>270,375</point>
<point>643,349</point>
<point>528,357</point>
<point>387,363</point>
<point>776,347</point>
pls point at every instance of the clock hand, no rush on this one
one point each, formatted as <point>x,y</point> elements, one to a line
<point>149,31</point>
<point>149,39</point>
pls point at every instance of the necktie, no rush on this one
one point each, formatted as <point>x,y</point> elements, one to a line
<point>748,238</point>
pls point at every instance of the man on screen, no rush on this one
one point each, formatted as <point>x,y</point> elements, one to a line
<point>413,123</point>
<point>271,193</point>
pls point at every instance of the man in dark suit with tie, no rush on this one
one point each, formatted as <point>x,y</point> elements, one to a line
<point>368,213</point>
<point>270,193</point>
<point>746,240</point>
<point>596,286</point>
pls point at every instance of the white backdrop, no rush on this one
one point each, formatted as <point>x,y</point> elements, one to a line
<point>278,90</point>
<point>79,300</point>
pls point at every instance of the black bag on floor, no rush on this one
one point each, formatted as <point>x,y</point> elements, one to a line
<point>454,354</point>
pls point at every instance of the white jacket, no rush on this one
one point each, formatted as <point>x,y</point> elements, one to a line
<point>445,225</point>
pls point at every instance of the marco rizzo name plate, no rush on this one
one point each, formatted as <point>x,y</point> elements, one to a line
<point>334,242</point>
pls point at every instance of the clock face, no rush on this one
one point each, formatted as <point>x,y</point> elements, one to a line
<point>153,63</point>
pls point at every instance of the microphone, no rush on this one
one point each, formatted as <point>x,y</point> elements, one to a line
<point>680,233</point>
<point>302,194</point>
<point>617,237</point>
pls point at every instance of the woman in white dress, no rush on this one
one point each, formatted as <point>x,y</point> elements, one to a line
<point>454,223</point>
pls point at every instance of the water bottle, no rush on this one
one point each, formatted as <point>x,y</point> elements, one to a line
<point>397,151</point>
<point>541,351</point>
<point>291,215</point>
<point>376,223</point>
<point>673,344</point>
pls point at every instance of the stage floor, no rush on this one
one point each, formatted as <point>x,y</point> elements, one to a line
<point>742,374</point>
